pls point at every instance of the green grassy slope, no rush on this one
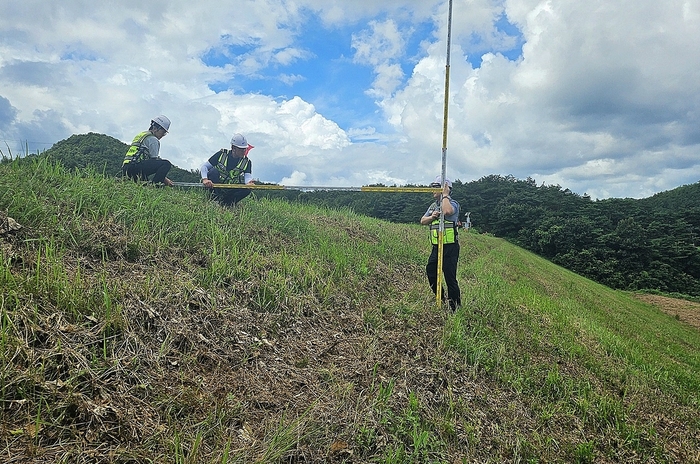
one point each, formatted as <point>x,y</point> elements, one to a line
<point>150,325</point>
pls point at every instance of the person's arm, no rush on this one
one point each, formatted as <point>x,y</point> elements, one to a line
<point>153,145</point>
<point>447,206</point>
<point>430,215</point>
<point>455,210</point>
<point>248,174</point>
<point>425,220</point>
<point>446,202</point>
<point>204,171</point>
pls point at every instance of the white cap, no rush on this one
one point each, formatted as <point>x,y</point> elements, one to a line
<point>238,140</point>
<point>438,180</point>
<point>162,121</point>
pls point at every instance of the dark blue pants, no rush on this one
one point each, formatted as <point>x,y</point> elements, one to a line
<point>450,257</point>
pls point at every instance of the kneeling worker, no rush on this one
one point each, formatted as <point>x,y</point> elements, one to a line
<point>450,248</point>
<point>143,157</point>
<point>229,167</point>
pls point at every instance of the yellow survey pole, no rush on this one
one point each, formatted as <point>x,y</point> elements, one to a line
<point>441,228</point>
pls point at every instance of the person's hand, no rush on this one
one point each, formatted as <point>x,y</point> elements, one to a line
<point>445,190</point>
<point>436,214</point>
<point>168,182</point>
<point>207,183</point>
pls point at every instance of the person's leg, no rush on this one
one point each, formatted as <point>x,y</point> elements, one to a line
<point>129,172</point>
<point>239,194</point>
<point>431,270</point>
<point>449,269</point>
<point>230,196</point>
<point>137,171</point>
<point>160,168</point>
<point>224,196</point>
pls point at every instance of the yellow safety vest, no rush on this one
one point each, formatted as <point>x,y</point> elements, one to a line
<point>235,175</point>
<point>138,151</point>
<point>449,236</point>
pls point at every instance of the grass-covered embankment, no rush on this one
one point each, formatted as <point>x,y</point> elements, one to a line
<point>150,325</point>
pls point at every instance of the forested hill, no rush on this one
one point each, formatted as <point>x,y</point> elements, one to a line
<point>623,243</point>
<point>104,153</point>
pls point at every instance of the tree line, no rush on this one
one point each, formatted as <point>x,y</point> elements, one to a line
<point>629,244</point>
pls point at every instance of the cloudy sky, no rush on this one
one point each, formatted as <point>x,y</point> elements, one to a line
<point>599,96</point>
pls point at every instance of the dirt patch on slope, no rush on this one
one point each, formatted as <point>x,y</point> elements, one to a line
<point>684,310</point>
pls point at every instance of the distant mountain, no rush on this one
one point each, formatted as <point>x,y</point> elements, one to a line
<point>104,153</point>
<point>684,198</point>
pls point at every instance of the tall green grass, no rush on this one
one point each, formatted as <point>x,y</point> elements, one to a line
<point>151,325</point>
<point>578,351</point>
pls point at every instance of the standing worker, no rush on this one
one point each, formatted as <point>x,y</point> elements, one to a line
<point>450,249</point>
<point>229,167</point>
<point>143,157</point>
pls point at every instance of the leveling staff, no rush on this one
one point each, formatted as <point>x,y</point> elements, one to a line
<point>450,248</point>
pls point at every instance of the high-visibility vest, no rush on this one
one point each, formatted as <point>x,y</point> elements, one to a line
<point>231,176</point>
<point>449,235</point>
<point>138,151</point>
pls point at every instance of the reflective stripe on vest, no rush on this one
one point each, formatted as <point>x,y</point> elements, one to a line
<point>235,175</point>
<point>450,235</point>
<point>138,151</point>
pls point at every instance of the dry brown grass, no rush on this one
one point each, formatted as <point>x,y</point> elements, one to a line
<point>684,310</point>
<point>183,357</point>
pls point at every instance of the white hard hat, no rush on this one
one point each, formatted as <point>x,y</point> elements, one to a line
<point>438,181</point>
<point>162,121</point>
<point>238,140</point>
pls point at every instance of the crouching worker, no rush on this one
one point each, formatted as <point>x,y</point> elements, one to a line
<point>450,249</point>
<point>143,157</point>
<point>229,167</point>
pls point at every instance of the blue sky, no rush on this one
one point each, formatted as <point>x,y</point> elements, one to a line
<point>600,97</point>
<point>329,60</point>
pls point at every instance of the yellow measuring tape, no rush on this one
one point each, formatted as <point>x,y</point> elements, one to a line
<point>309,187</point>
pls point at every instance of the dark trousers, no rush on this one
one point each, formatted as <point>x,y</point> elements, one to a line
<point>230,196</point>
<point>140,171</point>
<point>226,196</point>
<point>450,257</point>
